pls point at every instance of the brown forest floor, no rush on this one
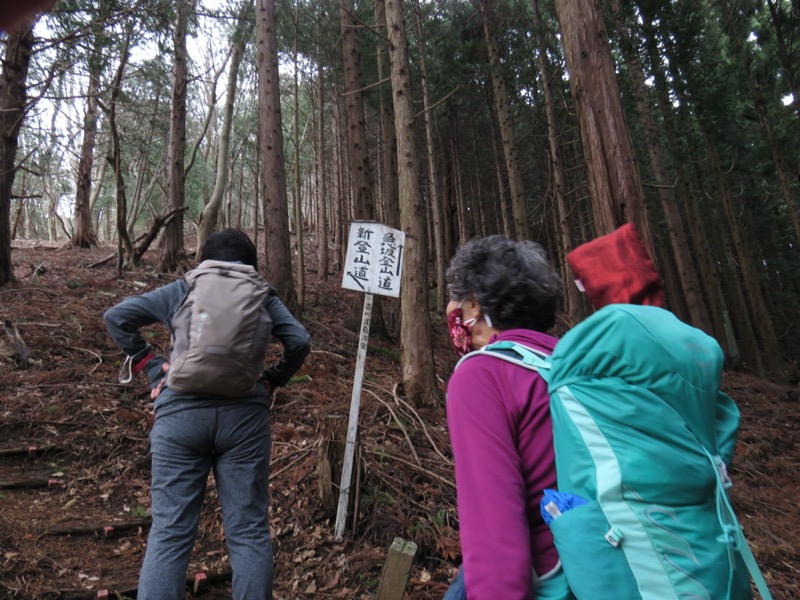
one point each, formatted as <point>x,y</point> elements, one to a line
<point>93,462</point>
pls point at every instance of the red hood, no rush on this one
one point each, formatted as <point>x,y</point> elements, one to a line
<point>616,269</point>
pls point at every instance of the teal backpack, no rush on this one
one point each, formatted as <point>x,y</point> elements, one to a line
<point>642,436</point>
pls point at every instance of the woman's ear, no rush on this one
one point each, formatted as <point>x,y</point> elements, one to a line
<point>471,309</point>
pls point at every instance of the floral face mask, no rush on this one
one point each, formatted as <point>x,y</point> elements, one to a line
<point>460,331</point>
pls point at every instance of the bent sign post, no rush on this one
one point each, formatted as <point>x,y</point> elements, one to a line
<point>374,265</point>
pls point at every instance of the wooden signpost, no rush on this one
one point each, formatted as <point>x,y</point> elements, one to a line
<point>374,265</point>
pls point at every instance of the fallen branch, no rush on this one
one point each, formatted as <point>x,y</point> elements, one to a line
<point>421,421</point>
<point>111,256</point>
<point>196,584</point>
<point>22,484</point>
<point>12,346</point>
<point>39,269</point>
<point>29,450</point>
<point>399,424</point>
<point>95,354</point>
<point>383,454</point>
<point>399,400</point>
<point>101,531</point>
<point>146,238</point>
<point>331,353</point>
<point>290,465</point>
<point>30,289</point>
<point>158,223</point>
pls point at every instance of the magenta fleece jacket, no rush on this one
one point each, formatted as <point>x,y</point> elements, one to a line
<point>502,436</point>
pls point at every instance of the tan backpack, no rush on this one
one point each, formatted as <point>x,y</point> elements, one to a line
<point>220,331</point>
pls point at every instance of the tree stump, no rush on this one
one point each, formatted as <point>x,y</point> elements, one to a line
<point>333,431</point>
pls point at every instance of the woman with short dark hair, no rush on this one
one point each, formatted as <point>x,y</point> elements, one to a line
<point>498,414</point>
<point>513,282</point>
<point>200,430</point>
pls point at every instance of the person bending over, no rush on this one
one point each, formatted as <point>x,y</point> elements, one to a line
<point>195,433</point>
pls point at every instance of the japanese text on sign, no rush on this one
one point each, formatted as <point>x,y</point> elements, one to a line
<point>374,261</point>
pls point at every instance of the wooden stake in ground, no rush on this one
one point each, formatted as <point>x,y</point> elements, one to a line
<point>397,569</point>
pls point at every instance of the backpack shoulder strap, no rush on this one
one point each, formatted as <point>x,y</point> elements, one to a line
<point>732,530</point>
<point>755,572</point>
<point>515,353</point>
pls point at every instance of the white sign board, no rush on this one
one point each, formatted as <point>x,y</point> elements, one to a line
<point>374,260</point>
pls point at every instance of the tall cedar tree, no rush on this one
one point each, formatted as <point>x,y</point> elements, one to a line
<point>19,46</point>
<point>419,377</point>
<point>273,169</point>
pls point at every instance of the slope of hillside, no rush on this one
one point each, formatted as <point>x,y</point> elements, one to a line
<point>74,466</point>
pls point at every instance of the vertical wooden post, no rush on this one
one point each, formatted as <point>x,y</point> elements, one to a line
<point>397,569</point>
<point>352,427</point>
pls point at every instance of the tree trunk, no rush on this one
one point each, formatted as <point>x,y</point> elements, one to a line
<point>738,32</point>
<point>84,236</point>
<point>447,198</point>
<point>433,175</point>
<point>142,193</point>
<point>258,189</point>
<point>389,191</point>
<point>419,377</point>
<point>126,257</point>
<point>298,195</point>
<point>322,173</point>
<point>780,167</point>
<point>518,204</point>
<point>276,211</point>
<point>98,188</point>
<point>388,309</point>
<point>16,220</point>
<point>731,289</point>
<point>745,259</point>
<point>337,162</point>
<point>20,213</point>
<point>708,270</point>
<point>208,218</point>
<point>239,203</point>
<point>172,251</point>
<point>17,58</point>
<point>358,150</point>
<point>689,282</point>
<point>455,170</point>
<point>613,174</point>
<point>499,165</point>
<point>780,12</point>
<point>358,154</point>
<point>565,233</point>
<point>477,212</point>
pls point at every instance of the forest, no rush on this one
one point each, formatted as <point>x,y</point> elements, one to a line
<point>132,130</point>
